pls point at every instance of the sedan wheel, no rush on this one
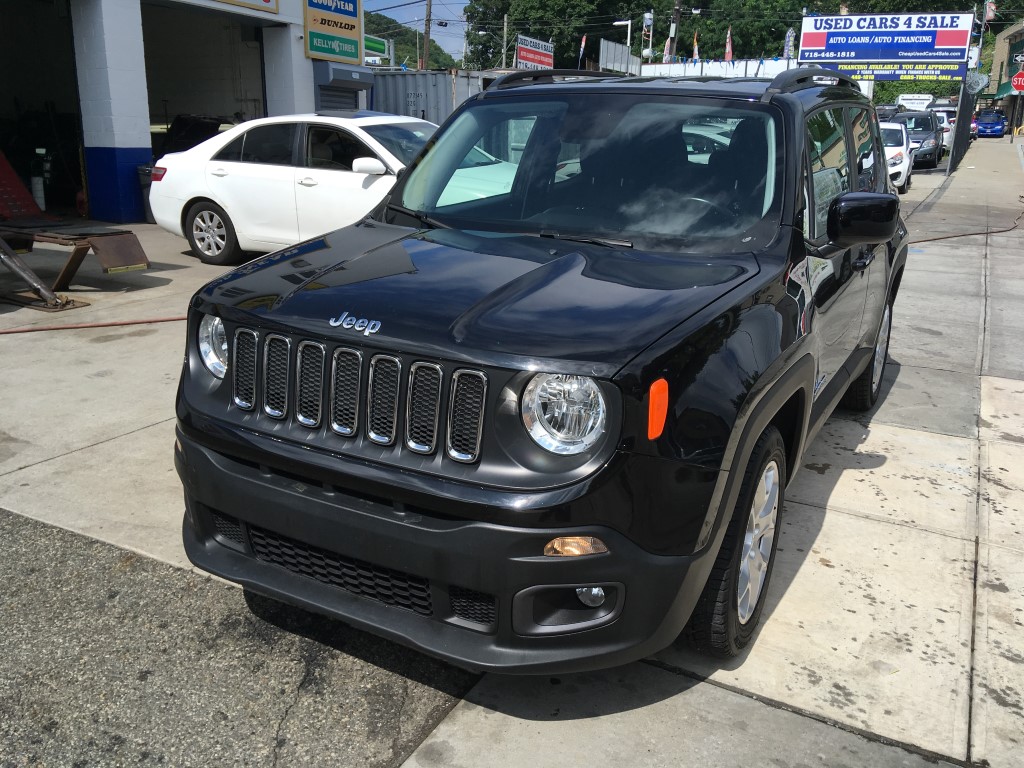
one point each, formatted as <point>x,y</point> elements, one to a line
<point>758,542</point>
<point>211,234</point>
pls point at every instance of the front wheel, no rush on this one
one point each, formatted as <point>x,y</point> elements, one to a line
<point>730,606</point>
<point>211,234</point>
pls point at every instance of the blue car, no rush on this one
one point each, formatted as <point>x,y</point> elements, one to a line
<point>991,124</point>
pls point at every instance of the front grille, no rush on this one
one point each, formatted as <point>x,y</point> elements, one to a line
<point>474,606</point>
<point>275,376</point>
<point>357,577</point>
<point>382,399</point>
<point>423,407</point>
<point>465,415</point>
<point>309,383</point>
<point>307,379</point>
<point>244,366</point>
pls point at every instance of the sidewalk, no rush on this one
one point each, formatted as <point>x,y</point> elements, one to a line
<point>895,625</point>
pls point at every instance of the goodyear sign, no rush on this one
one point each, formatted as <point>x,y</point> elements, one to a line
<point>916,46</point>
<point>334,30</point>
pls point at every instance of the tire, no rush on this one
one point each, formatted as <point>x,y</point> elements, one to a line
<point>863,392</point>
<point>211,235</point>
<point>905,186</point>
<point>729,608</point>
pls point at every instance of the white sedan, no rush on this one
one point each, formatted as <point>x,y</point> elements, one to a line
<point>272,182</point>
<point>898,154</point>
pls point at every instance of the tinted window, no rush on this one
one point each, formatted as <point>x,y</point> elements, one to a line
<point>232,152</point>
<point>334,149</point>
<point>826,137</point>
<point>866,144</point>
<point>269,144</point>
<point>403,140</point>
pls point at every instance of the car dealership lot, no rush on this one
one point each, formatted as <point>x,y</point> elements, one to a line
<point>892,636</point>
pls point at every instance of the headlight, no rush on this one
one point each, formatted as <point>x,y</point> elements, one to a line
<point>896,159</point>
<point>213,345</point>
<point>564,414</point>
<point>928,143</point>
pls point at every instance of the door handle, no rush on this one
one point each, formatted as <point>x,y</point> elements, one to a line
<point>308,182</point>
<point>219,172</point>
<point>865,258</point>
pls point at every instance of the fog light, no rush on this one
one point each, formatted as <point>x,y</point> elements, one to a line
<point>592,597</point>
<point>574,546</point>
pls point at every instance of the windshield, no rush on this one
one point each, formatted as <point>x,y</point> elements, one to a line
<point>892,137</point>
<point>641,167</point>
<point>403,140</point>
<point>917,123</point>
<point>989,117</point>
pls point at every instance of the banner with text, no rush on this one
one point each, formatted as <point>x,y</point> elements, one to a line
<point>918,46</point>
<point>334,30</point>
<point>534,54</point>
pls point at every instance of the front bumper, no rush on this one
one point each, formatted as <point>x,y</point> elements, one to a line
<point>478,594</point>
<point>898,174</point>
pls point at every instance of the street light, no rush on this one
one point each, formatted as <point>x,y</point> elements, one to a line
<point>628,24</point>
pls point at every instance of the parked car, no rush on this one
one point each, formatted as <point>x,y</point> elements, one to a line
<point>991,123</point>
<point>886,111</point>
<point>274,181</point>
<point>947,130</point>
<point>898,154</point>
<point>925,136</point>
<point>552,428</point>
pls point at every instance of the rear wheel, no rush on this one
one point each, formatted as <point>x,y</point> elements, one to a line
<point>729,609</point>
<point>211,234</point>
<point>864,390</point>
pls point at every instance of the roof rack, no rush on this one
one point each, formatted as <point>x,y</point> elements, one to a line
<point>805,77</point>
<point>527,76</point>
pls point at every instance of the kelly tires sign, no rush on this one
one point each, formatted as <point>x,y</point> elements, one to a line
<point>921,46</point>
<point>334,30</point>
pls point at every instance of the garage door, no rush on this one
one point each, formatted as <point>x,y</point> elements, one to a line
<point>333,97</point>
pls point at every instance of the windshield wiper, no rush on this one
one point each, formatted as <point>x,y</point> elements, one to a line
<point>593,240</point>
<point>422,218</point>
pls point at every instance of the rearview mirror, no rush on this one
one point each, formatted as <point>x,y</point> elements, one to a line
<point>862,217</point>
<point>368,165</point>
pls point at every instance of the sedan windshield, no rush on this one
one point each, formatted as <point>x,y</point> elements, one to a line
<point>608,167</point>
<point>403,140</point>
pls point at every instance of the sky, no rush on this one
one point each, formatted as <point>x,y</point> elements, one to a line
<point>451,38</point>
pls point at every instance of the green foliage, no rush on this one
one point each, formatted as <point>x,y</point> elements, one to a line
<point>405,40</point>
<point>886,91</point>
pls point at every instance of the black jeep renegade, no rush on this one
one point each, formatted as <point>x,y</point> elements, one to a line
<point>539,410</point>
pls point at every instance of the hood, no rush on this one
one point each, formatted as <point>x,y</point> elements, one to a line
<point>490,297</point>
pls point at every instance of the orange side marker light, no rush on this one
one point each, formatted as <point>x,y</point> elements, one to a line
<point>657,409</point>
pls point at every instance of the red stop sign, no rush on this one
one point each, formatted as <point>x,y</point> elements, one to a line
<point>1018,81</point>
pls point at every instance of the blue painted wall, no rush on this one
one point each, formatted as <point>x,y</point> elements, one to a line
<point>114,190</point>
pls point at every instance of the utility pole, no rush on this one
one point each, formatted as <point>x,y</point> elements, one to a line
<point>674,33</point>
<point>504,40</point>
<point>425,61</point>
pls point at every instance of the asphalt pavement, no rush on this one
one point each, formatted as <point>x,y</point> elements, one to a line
<point>892,636</point>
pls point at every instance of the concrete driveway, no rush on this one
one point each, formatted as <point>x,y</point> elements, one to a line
<point>893,633</point>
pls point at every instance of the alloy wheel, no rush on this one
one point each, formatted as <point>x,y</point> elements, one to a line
<point>881,350</point>
<point>757,542</point>
<point>209,232</point>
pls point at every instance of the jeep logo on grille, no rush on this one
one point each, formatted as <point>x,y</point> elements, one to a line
<point>345,320</point>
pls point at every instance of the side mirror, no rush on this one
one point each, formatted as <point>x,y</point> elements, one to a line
<point>368,165</point>
<point>862,217</point>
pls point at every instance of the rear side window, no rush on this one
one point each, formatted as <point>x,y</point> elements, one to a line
<point>267,144</point>
<point>826,147</point>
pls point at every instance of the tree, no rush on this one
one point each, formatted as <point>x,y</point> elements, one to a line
<point>406,41</point>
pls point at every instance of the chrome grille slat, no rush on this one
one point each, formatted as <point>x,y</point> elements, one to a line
<point>423,406</point>
<point>276,359</point>
<point>309,383</point>
<point>244,369</point>
<point>466,415</point>
<point>346,375</point>
<point>382,399</point>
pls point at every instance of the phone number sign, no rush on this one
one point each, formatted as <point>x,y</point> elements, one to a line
<point>889,46</point>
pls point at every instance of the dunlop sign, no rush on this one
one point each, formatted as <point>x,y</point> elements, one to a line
<point>334,30</point>
<point>915,46</point>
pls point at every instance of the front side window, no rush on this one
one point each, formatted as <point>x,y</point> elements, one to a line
<point>865,142</point>
<point>829,161</point>
<point>636,167</point>
<point>333,149</point>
